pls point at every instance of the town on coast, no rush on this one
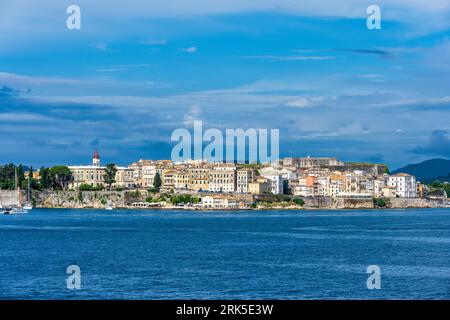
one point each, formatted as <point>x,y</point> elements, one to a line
<point>290,183</point>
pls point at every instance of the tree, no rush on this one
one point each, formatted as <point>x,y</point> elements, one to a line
<point>439,186</point>
<point>157,182</point>
<point>60,176</point>
<point>44,178</point>
<point>31,178</point>
<point>299,201</point>
<point>7,176</point>
<point>110,174</point>
<point>20,176</point>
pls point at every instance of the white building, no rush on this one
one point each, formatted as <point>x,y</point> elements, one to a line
<point>405,185</point>
<point>144,172</point>
<point>94,174</point>
<point>276,183</point>
<point>218,202</point>
<point>244,178</point>
<point>222,178</point>
<point>276,177</point>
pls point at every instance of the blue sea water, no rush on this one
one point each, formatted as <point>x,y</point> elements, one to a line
<point>127,254</point>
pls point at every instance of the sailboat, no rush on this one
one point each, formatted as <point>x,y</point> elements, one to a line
<point>17,209</point>
<point>27,205</point>
<point>109,203</point>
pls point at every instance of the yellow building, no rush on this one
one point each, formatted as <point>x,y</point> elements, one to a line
<point>198,178</point>
<point>182,179</point>
<point>260,186</point>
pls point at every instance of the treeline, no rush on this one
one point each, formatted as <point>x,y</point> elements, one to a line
<point>12,177</point>
<point>440,186</point>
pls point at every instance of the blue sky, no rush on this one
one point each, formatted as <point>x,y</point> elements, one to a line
<point>137,71</point>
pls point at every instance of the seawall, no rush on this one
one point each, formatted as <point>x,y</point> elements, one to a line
<point>124,199</point>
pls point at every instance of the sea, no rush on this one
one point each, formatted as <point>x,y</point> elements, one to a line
<point>157,254</point>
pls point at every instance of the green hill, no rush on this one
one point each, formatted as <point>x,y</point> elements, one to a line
<point>429,170</point>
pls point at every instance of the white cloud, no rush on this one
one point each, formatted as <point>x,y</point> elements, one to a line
<point>12,79</point>
<point>23,117</point>
<point>289,58</point>
<point>189,50</point>
<point>100,46</point>
<point>155,42</point>
<point>194,113</point>
<point>304,102</point>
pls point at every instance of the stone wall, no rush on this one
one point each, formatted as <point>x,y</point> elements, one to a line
<point>318,203</point>
<point>77,199</point>
<point>9,198</point>
<point>416,203</point>
<point>349,203</point>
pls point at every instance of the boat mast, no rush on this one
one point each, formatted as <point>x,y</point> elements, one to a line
<point>17,187</point>
<point>29,189</point>
<point>16,180</point>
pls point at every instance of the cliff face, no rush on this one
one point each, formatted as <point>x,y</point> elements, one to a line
<point>78,199</point>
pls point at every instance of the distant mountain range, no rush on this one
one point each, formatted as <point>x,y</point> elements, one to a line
<point>429,170</point>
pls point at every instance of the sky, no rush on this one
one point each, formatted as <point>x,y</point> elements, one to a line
<point>137,70</point>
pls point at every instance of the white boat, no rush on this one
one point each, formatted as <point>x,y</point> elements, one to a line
<point>19,210</point>
<point>14,210</point>
<point>27,206</point>
<point>109,203</point>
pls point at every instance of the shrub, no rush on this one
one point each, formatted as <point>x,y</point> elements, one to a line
<point>88,187</point>
<point>299,201</point>
<point>380,202</point>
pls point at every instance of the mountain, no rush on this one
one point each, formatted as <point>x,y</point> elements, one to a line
<point>428,170</point>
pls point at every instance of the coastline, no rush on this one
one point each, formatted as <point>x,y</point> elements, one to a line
<point>173,208</point>
<point>137,200</point>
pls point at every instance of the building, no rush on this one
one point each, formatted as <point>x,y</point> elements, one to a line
<point>388,192</point>
<point>36,175</point>
<point>219,202</point>
<point>405,184</point>
<point>168,179</point>
<point>334,186</point>
<point>421,190</point>
<point>244,177</point>
<point>310,162</point>
<point>378,185</point>
<point>305,187</point>
<point>144,172</point>
<point>181,179</point>
<point>260,186</point>
<point>222,178</point>
<point>276,177</point>
<point>93,175</point>
<point>199,178</point>
<point>352,182</point>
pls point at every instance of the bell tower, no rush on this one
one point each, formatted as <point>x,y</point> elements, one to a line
<point>96,159</point>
